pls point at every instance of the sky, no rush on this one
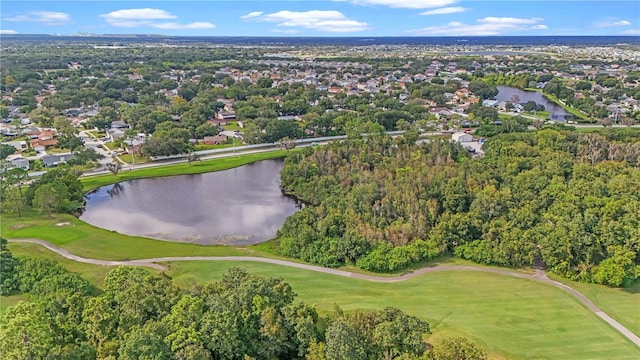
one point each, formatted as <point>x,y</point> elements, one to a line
<point>323,18</point>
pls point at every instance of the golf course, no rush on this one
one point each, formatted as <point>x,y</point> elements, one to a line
<point>510,317</point>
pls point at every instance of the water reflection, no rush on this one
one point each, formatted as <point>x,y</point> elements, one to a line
<point>517,96</point>
<point>236,207</point>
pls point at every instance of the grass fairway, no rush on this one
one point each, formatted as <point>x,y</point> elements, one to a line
<point>512,318</point>
<point>89,241</point>
<point>94,273</point>
<point>621,304</point>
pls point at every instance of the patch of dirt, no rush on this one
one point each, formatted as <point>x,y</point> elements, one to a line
<point>66,223</point>
<point>20,226</point>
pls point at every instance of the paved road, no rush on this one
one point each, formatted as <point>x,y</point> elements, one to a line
<point>539,275</point>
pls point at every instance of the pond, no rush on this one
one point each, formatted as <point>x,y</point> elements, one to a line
<point>507,93</point>
<point>239,206</point>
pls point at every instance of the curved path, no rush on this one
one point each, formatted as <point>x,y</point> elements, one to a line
<point>538,276</point>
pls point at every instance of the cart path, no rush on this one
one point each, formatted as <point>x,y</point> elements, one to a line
<point>539,275</point>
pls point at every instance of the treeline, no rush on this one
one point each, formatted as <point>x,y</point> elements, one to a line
<point>555,197</point>
<point>140,315</point>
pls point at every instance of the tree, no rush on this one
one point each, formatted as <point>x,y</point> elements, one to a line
<point>264,83</point>
<point>192,156</point>
<point>206,129</point>
<point>537,124</point>
<point>156,146</point>
<point>286,143</point>
<point>457,348</point>
<point>26,332</point>
<point>43,116</point>
<point>9,274</point>
<point>64,126</point>
<point>70,142</point>
<point>114,168</point>
<point>50,197</point>
<point>84,155</point>
<point>530,106</point>
<point>343,343</point>
<point>6,150</point>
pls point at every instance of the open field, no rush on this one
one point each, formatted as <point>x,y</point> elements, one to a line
<point>621,304</point>
<point>512,318</point>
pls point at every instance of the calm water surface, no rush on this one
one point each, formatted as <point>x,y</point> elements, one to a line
<point>507,93</point>
<point>238,206</point>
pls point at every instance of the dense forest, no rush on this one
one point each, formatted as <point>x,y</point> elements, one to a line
<point>566,200</point>
<point>140,315</point>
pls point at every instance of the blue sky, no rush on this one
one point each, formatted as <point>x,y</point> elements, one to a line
<point>323,18</point>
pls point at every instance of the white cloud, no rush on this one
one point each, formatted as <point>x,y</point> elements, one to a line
<point>407,4</point>
<point>631,32</point>
<point>8,32</point>
<point>485,27</point>
<point>612,23</point>
<point>321,20</point>
<point>443,11</point>
<point>149,17</point>
<point>252,15</point>
<point>44,17</point>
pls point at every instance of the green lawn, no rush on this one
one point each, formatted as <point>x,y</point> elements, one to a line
<point>201,147</point>
<point>621,304</point>
<point>232,126</point>
<point>512,318</point>
<point>89,241</point>
<point>138,159</point>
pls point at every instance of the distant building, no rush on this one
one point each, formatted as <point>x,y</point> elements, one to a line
<point>21,162</point>
<point>461,137</point>
<point>215,140</point>
<point>56,159</point>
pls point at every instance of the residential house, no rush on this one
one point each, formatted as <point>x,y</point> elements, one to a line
<point>215,140</point>
<point>218,122</point>
<point>231,115</point>
<point>21,163</point>
<point>115,134</point>
<point>56,159</point>
<point>119,124</point>
<point>19,145</point>
<point>490,103</point>
<point>461,137</point>
<point>43,140</point>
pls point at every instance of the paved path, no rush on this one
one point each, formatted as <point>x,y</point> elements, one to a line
<point>539,275</point>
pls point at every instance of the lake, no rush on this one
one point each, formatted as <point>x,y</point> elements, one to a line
<point>239,206</point>
<point>507,93</point>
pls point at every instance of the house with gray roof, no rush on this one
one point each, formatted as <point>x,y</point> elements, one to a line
<point>56,159</point>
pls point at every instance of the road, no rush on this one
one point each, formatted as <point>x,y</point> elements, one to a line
<point>539,275</point>
<point>227,152</point>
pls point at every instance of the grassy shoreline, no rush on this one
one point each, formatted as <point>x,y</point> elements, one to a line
<point>575,112</point>
<point>197,167</point>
